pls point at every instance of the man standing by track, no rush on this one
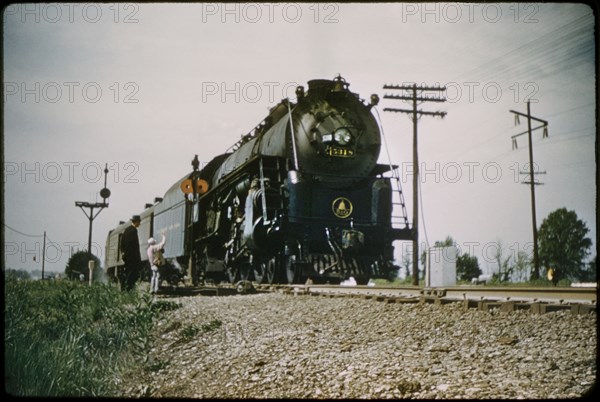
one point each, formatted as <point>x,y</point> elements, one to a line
<point>130,246</point>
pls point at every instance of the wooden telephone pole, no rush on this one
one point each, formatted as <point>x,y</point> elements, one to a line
<point>415,114</point>
<point>535,273</point>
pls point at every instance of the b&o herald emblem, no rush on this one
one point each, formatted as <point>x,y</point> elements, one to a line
<point>342,207</point>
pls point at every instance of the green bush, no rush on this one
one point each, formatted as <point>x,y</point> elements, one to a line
<point>539,283</point>
<point>397,282</point>
<point>68,339</point>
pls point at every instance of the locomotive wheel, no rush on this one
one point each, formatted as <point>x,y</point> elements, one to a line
<point>200,267</point>
<point>232,273</point>
<point>271,270</point>
<point>260,270</point>
<point>362,281</point>
<point>244,271</point>
<point>290,270</point>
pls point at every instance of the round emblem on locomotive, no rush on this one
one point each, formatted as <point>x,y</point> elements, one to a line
<point>342,207</point>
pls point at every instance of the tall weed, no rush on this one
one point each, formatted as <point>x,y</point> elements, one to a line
<point>68,339</point>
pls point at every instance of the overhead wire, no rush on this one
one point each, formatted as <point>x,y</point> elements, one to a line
<point>543,49</point>
<point>19,232</point>
<point>555,51</point>
<point>422,213</point>
<point>576,31</point>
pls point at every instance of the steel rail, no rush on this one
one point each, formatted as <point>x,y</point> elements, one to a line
<point>528,294</point>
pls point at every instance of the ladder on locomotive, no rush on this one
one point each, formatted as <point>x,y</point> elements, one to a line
<point>398,202</point>
<point>270,168</point>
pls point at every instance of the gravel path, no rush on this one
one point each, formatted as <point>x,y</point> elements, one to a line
<point>278,346</point>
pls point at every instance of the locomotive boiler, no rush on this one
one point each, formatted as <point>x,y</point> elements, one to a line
<point>300,196</point>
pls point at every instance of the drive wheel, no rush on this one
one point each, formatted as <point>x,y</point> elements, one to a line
<point>271,270</point>
<point>362,281</point>
<point>200,267</point>
<point>260,271</point>
<point>231,271</point>
<point>290,269</point>
<point>244,271</point>
<point>232,274</point>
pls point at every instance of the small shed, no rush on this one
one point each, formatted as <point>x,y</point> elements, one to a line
<point>440,266</point>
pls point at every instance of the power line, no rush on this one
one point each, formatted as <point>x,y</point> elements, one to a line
<point>576,165</point>
<point>551,140</point>
<point>572,109</point>
<point>544,49</point>
<point>21,233</point>
<point>422,213</point>
<point>554,140</point>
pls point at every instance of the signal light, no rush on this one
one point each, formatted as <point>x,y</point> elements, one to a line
<point>201,186</point>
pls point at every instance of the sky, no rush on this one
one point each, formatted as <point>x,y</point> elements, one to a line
<point>142,88</point>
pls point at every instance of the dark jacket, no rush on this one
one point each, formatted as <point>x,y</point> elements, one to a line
<point>130,246</point>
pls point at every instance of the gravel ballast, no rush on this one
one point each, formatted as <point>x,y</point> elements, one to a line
<point>281,346</point>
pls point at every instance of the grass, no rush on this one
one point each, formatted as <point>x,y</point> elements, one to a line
<point>71,340</point>
<point>396,282</point>
<point>536,283</point>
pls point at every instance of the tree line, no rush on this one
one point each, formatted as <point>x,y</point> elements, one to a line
<point>563,249</point>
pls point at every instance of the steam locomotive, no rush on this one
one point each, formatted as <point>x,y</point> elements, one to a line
<point>299,197</point>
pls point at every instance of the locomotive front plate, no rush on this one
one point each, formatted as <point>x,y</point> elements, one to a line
<point>340,152</point>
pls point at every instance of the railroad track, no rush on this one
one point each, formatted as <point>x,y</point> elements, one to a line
<point>486,298</point>
<point>537,300</point>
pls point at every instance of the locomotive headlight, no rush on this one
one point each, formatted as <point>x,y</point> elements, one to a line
<point>327,137</point>
<point>342,136</point>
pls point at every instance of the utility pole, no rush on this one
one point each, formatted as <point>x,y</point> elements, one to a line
<point>535,273</point>
<point>43,255</point>
<point>415,117</point>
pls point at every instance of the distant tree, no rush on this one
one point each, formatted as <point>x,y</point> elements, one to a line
<point>520,265</point>
<point>19,274</point>
<point>504,269</point>
<point>449,241</point>
<point>78,264</point>
<point>406,264</point>
<point>467,267</point>
<point>590,274</point>
<point>512,267</point>
<point>563,244</point>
